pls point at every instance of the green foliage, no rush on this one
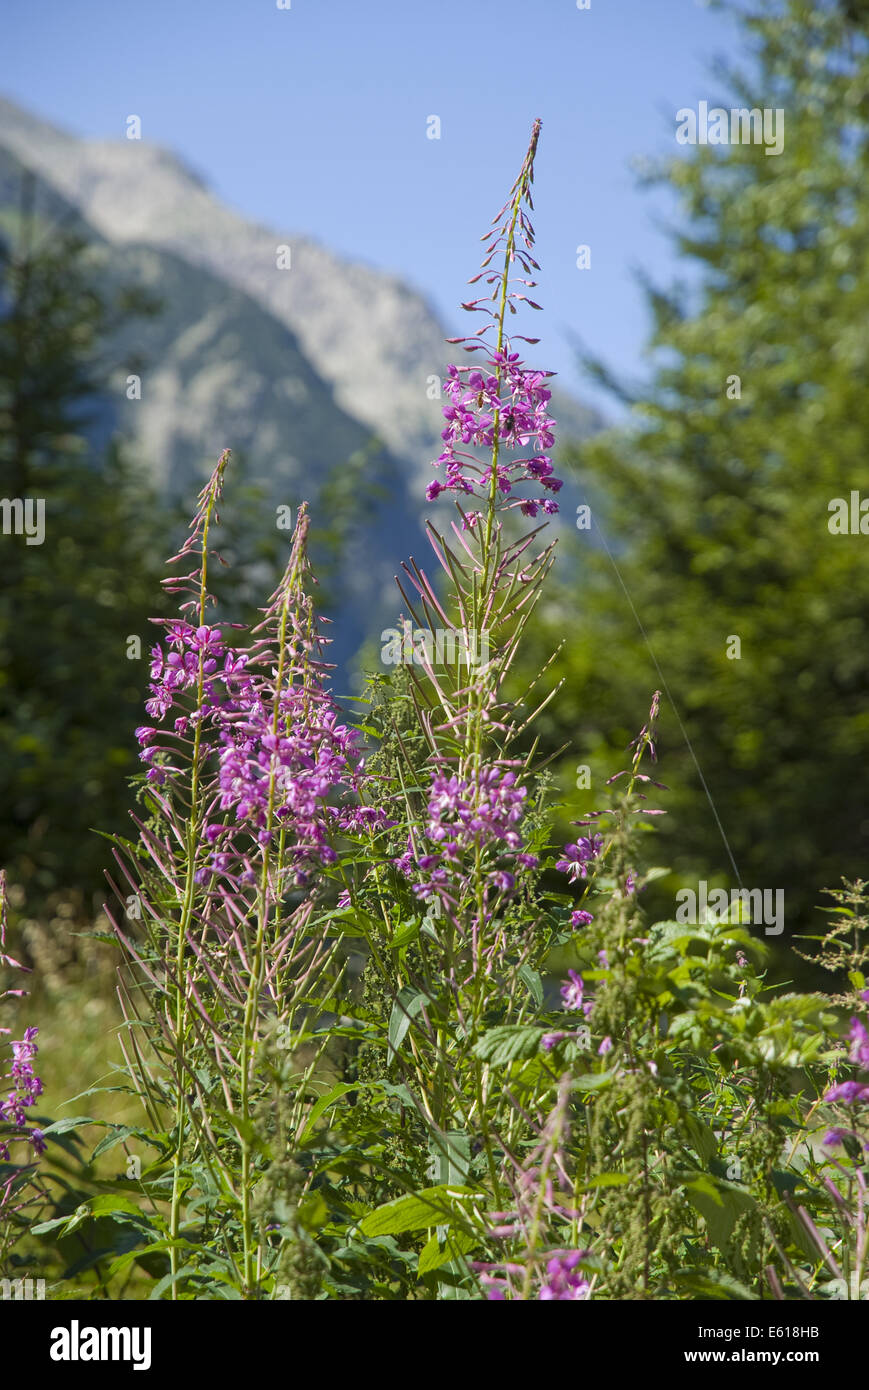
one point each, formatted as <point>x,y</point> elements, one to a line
<point>71,606</point>
<point>715,505</point>
<point>673,1126</point>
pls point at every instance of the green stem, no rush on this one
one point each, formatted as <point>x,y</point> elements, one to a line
<point>193,828</point>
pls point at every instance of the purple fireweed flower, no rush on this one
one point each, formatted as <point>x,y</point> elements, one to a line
<point>26,1088</point>
<point>289,775</point>
<point>572,992</point>
<point>859,1039</point>
<point>580,918</point>
<point>466,816</point>
<point>848,1092</point>
<point>281,762</point>
<point>605,1047</point>
<point>549,1041</point>
<point>510,404</point>
<point>178,668</point>
<point>472,813</point>
<point>500,401</point>
<point>577,857</point>
<point>563,1280</point>
<point>404,863</point>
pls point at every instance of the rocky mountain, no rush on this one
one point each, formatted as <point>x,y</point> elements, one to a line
<point>303,363</point>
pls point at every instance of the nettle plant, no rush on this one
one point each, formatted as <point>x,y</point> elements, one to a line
<point>358,1079</point>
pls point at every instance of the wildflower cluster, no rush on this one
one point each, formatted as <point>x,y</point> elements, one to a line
<point>271,731</point>
<point>854,1092</point>
<point>477,814</point>
<point>294,769</point>
<point>506,406</point>
<point>578,856</point>
<point>565,1282</point>
<point>451,1100</point>
<point>20,1087</point>
<point>509,404</point>
<point>25,1090</point>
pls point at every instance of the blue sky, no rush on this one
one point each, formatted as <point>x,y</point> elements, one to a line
<point>313,120</point>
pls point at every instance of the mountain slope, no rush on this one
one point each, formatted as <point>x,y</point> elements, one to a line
<point>366,332</point>
<point>216,370</point>
<point>315,376</point>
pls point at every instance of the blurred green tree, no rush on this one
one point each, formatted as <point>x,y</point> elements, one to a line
<point>74,605</point>
<point>714,502</point>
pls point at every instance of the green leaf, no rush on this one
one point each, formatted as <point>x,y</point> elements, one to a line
<point>650,875</point>
<point>313,1212</point>
<point>162,1247</point>
<point>405,934</point>
<point>701,1136</point>
<point>42,1228</point>
<point>72,1122</point>
<point>110,1205</point>
<point>534,981</point>
<point>329,1099</point>
<point>440,1250</point>
<point>592,1081</point>
<point>508,1043</point>
<point>408,1004</point>
<point>451,1152</point>
<point>122,1132</point>
<point>720,1204</point>
<point>433,1206</point>
<point>713,1284</point>
<point>609,1180</point>
<point>169,1279</point>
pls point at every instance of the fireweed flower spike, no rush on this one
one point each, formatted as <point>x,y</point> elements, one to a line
<point>254,777</point>
<point>469,803</point>
<point>577,857</point>
<point>527,1270</point>
<point>465,815</point>
<point>500,404</point>
<point>285,755</point>
<point>300,1119</point>
<point>572,994</point>
<point>466,856</point>
<point>853,1092</point>
<point>564,1282</point>
<point>20,1087</point>
<point>859,1039</point>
